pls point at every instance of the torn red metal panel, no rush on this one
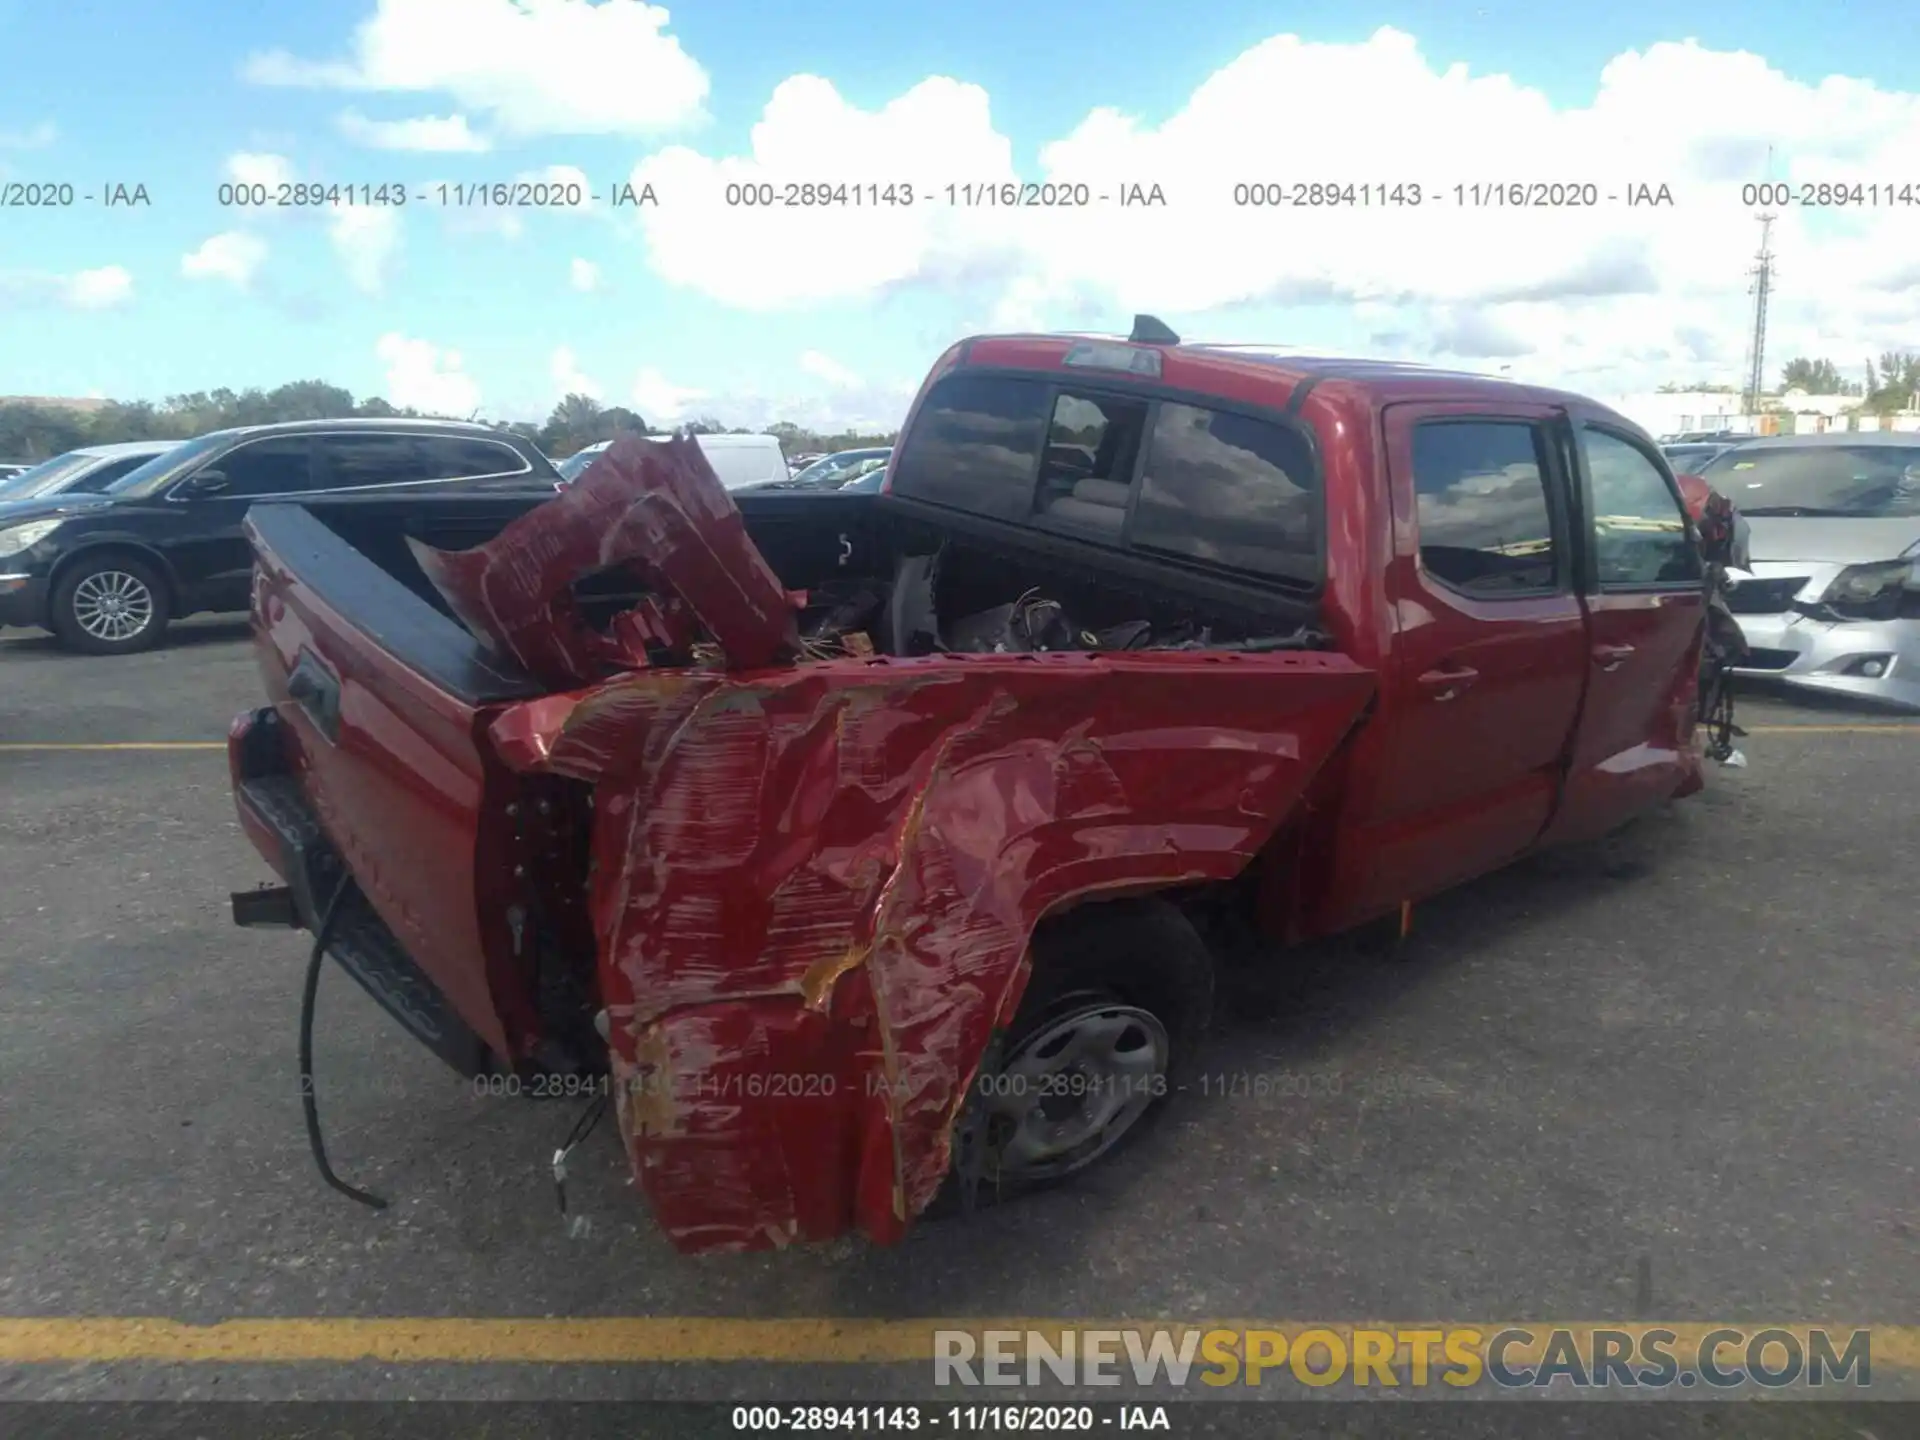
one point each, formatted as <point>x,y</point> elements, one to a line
<point>650,505</point>
<point>814,888</point>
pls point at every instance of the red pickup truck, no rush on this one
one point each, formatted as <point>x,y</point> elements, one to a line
<point>868,849</point>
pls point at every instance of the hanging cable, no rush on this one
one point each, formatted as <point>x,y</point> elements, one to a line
<point>321,933</point>
<point>582,1128</point>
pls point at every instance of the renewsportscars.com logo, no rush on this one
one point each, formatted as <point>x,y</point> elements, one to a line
<point>1707,1359</point>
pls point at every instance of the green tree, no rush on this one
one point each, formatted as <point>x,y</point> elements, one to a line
<point>1893,382</point>
<point>38,432</point>
<point>575,422</point>
<point>1816,377</point>
<point>617,420</point>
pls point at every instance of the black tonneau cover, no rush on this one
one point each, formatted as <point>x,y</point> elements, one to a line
<point>393,617</point>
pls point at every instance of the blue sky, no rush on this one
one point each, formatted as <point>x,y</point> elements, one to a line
<point>753,316</point>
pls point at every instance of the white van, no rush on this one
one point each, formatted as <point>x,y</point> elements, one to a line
<point>737,459</point>
<point>744,459</point>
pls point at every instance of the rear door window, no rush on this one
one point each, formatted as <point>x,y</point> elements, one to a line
<point>1231,490</point>
<point>976,446</point>
<point>1485,522</point>
<point>451,459</point>
<point>360,462</point>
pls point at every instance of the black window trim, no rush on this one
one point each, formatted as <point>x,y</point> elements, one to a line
<point>316,461</point>
<point>1553,480</point>
<point>427,479</point>
<point>1592,584</point>
<point>1093,384</point>
<point>524,467</point>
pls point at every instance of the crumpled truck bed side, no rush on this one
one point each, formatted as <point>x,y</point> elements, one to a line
<point>814,889</point>
<point>814,884</point>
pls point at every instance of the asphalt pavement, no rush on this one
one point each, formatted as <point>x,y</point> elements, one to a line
<point>1672,1075</point>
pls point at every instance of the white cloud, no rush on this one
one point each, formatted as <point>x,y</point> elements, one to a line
<point>422,376</point>
<point>233,255</point>
<point>34,137</point>
<point>660,402</point>
<point>763,258</point>
<point>825,367</point>
<point>567,376</point>
<point>530,67</point>
<point>365,238</point>
<point>870,407</point>
<point>257,168</point>
<point>584,275</point>
<point>1570,289</point>
<point>443,133</point>
<point>100,289</point>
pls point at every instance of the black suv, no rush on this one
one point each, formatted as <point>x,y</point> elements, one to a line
<point>105,573</point>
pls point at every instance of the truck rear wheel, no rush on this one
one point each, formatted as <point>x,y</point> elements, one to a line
<point>1113,1015</point>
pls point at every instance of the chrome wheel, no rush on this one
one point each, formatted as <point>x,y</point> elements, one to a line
<point>1071,1089</point>
<point>112,605</point>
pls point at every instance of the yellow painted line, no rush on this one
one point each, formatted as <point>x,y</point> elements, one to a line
<point>668,1340</point>
<point>34,746</point>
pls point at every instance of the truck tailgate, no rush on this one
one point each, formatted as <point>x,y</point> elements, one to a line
<point>377,704</point>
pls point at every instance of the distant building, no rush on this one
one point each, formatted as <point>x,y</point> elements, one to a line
<point>1678,411</point>
<point>1792,412</point>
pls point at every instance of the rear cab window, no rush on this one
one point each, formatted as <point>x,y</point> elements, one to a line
<point>1209,485</point>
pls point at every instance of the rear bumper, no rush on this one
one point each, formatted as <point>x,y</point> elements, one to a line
<point>1829,656</point>
<point>281,825</point>
<point>23,601</point>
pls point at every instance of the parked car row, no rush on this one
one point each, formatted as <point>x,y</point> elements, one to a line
<point>106,572</point>
<point>87,471</point>
<point>1832,602</point>
<point>855,471</point>
<point>739,460</point>
<point>104,546</point>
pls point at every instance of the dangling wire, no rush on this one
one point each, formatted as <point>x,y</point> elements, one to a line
<point>321,933</point>
<point>582,1128</point>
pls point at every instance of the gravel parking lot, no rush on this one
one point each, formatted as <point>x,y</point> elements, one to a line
<point>1668,1076</point>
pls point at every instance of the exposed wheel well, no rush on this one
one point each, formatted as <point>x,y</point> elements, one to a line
<point>1163,960</point>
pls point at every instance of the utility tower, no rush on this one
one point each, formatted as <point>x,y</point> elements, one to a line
<point>1761,289</point>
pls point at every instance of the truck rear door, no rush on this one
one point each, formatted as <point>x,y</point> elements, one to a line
<point>1643,585</point>
<point>1490,650</point>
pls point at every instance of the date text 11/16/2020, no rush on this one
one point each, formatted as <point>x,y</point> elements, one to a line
<point>497,194</point>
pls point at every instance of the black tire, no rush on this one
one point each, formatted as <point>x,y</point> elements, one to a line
<point>110,604</point>
<point>1110,958</point>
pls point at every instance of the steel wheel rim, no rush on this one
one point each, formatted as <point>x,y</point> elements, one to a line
<point>112,605</point>
<point>1068,1092</point>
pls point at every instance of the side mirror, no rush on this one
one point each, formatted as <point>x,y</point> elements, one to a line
<point>207,482</point>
